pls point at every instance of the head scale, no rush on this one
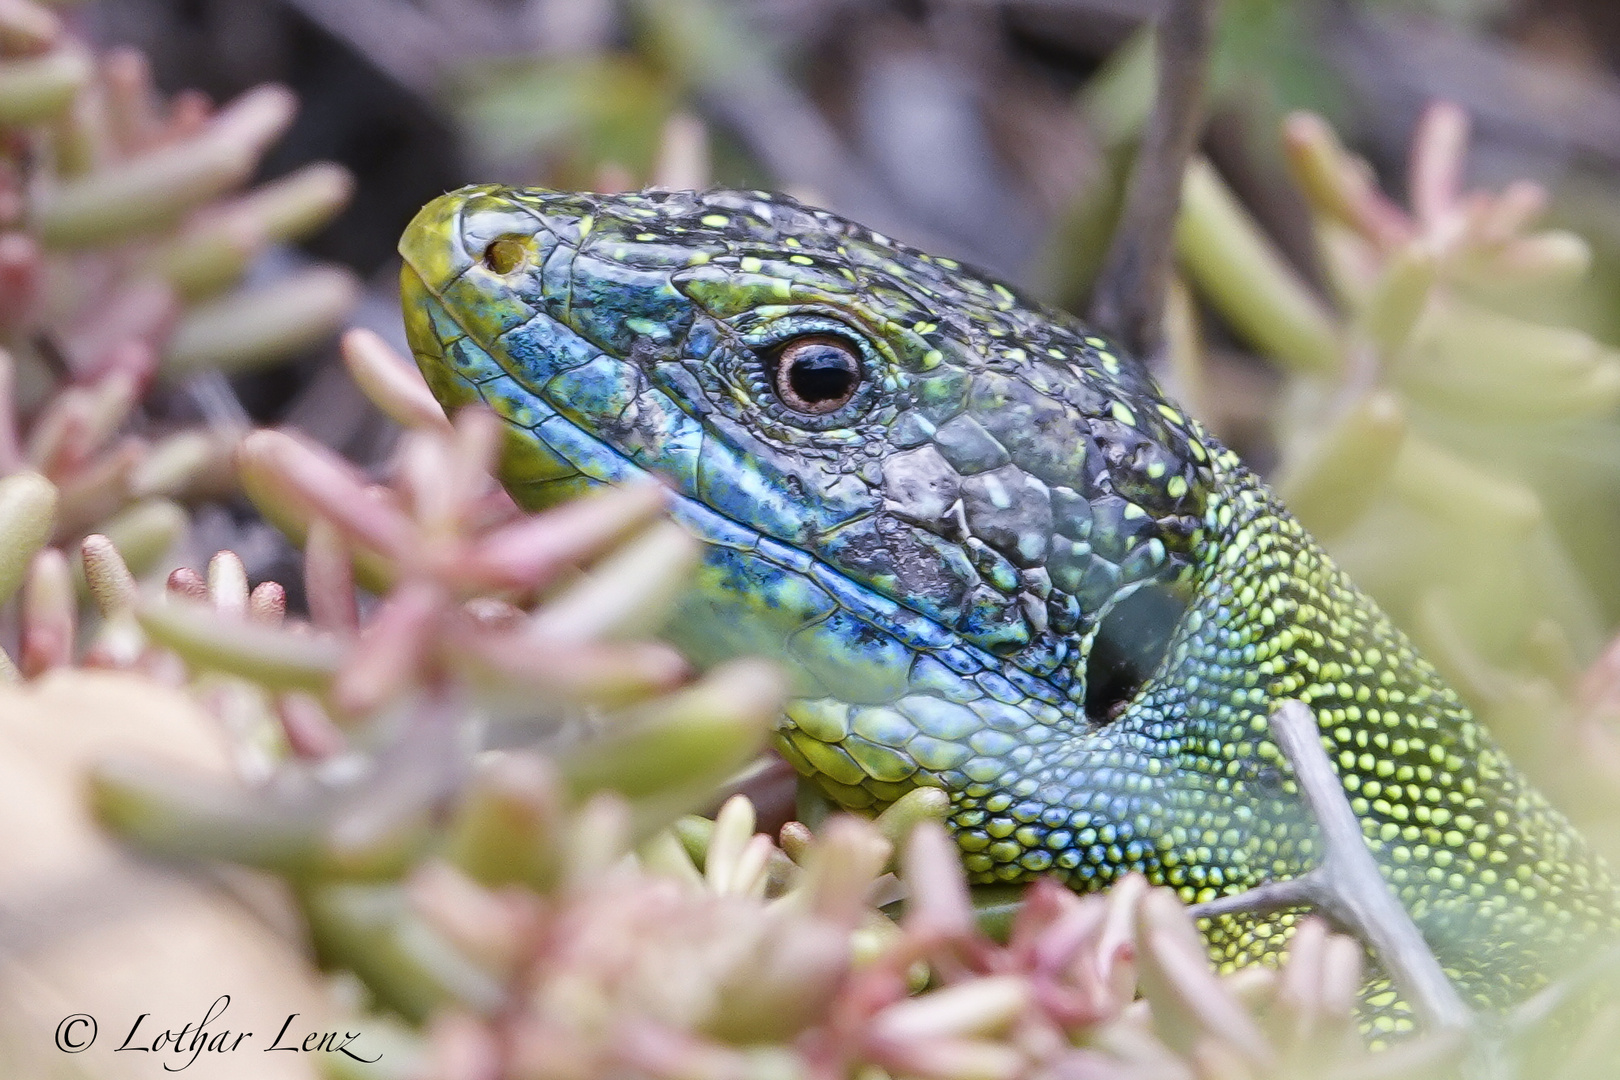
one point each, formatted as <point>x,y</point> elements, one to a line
<point>906,471</point>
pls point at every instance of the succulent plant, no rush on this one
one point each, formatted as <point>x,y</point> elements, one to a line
<point>125,230</point>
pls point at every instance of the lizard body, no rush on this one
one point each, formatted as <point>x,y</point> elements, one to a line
<point>994,558</point>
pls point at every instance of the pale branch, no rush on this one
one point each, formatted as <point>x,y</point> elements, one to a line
<point>1347,886</point>
<point>1267,899</point>
<point>1130,296</point>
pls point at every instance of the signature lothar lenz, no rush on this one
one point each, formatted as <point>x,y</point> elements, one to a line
<point>77,1033</point>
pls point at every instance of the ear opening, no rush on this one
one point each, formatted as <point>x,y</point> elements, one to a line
<point>1128,648</point>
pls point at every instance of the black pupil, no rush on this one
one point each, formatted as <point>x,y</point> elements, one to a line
<point>821,373</point>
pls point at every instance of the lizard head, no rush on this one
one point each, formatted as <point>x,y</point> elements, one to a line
<point>953,514</point>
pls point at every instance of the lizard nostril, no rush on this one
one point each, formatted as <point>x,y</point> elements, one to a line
<point>504,255</point>
<point>1129,646</point>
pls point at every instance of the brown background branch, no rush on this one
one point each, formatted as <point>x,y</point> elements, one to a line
<point>1129,300</point>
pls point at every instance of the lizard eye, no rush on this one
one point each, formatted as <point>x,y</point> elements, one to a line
<point>816,374</point>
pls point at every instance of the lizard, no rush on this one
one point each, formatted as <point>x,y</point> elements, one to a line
<point>994,559</point>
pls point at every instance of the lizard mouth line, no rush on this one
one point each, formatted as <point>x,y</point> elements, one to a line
<point>600,462</point>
